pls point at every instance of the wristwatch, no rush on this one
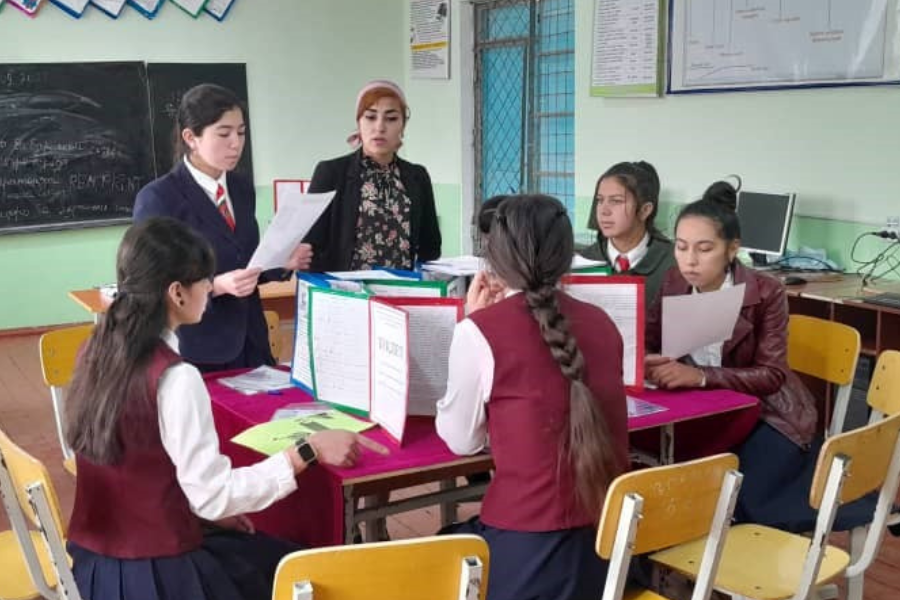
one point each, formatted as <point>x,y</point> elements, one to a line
<point>306,452</point>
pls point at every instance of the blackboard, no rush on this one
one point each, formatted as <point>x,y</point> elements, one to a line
<point>169,82</point>
<point>75,144</point>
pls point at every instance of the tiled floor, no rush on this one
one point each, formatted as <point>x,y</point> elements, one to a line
<point>26,416</point>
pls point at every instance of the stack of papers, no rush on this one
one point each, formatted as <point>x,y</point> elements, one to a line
<point>469,265</point>
<point>273,437</point>
<point>641,408</point>
<point>260,379</point>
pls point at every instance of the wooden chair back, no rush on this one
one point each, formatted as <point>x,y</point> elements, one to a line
<point>870,450</point>
<point>884,389</point>
<point>430,567</point>
<point>272,324</point>
<point>24,470</point>
<point>679,502</point>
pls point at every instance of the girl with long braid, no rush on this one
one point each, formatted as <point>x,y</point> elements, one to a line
<point>540,374</point>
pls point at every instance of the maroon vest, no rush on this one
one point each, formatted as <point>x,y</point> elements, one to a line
<point>135,507</point>
<point>528,413</point>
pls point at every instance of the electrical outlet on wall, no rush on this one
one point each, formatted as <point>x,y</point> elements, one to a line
<point>892,224</point>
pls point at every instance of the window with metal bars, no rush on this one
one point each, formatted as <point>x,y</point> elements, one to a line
<point>524,98</point>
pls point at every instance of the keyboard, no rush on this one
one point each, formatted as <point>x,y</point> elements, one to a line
<point>887,299</point>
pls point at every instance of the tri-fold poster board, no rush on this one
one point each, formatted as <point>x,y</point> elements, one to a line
<point>375,353</point>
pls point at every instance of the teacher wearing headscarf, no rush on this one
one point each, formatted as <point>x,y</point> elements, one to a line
<point>383,212</point>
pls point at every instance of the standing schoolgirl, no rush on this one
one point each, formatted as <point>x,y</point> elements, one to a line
<point>203,191</point>
<point>149,468</point>
<point>540,373</point>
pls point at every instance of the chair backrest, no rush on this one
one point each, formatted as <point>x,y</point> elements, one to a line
<point>272,324</point>
<point>10,500</point>
<point>826,350</point>
<point>652,509</point>
<point>884,389</point>
<point>59,349</point>
<point>432,567</point>
<point>24,470</point>
<point>66,587</point>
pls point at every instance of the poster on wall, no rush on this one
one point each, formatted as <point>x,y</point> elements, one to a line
<point>429,38</point>
<point>772,45</point>
<point>626,52</point>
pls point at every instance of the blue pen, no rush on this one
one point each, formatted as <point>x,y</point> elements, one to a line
<point>273,392</point>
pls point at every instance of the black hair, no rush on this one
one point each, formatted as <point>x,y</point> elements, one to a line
<point>200,107</point>
<point>719,205</point>
<point>112,370</point>
<point>530,247</point>
<point>642,181</point>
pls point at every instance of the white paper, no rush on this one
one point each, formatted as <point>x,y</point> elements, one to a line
<point>389,367</point>
<point>290,224</point>
<point>430,333</point>
<point>692,321</point>
<point>217,8</point>
<point>620,301</point>
<point>260,379</point>
<point>339,328</point>
<point>641,408</point>
<point>368,274</point>
<point>469,265</point>
<point>191,6</point>
<point>580,262</point>
<point>300,367</point>
<point>76,6</point>
<point>112,7</point>
<point>429,39</point>
<point>409,291</point>
<point>625,45</point>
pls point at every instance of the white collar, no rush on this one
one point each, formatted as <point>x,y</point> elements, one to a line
<point>171,340</point>
<point>208,184</point>
<point>634,255</point>
<point>729,282</point>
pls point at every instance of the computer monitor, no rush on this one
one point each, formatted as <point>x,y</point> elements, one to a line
<point>765,222</point>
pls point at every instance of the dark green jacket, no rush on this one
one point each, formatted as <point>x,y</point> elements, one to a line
<point>660,256</point>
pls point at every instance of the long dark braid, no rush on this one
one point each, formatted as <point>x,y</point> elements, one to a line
<point>531,248</point>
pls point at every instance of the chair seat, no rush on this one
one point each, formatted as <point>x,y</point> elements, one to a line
<point>69,466</point>
<point>16,584</point>
<point>775,568</point>
<point>639,593</point>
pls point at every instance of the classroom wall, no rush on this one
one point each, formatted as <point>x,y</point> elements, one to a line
<point>305,62</point>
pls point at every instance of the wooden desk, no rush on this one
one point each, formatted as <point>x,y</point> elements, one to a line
<point>275,295</point>
<point>838,298</point>
<point>324,510</point>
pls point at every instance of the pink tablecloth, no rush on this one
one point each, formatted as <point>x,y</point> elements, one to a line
<point>313,516</point>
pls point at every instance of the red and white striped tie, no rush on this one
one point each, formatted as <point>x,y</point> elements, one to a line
<point>222,205</point>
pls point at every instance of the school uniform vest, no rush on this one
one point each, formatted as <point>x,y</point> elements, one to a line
<point>135,507</point>
<point>528,413</point>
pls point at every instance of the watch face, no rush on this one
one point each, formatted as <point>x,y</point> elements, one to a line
<point>306,452</point>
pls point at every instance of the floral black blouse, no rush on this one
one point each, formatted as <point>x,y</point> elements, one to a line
<point>382,228</point>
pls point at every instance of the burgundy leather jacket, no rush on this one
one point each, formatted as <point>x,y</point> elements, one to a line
<point>754,360</point>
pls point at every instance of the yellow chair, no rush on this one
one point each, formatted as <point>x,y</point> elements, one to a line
<point>39,499</point>
<point>828,351</point>
<point>434,567</point>
<point>59,349</point>
<point>272,323</point>
<point>655,508</point>
<point>769,564</point>
<point>26,565</point>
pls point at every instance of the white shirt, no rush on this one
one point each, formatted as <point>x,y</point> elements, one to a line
<point>634,255</point>
<point>213,488</point>
<point>711,356</point>
<point>210,185</point>
<point>461,414</point>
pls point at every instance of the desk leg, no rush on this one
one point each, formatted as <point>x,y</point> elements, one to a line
<point>448,509</point>
<point>667,444</point>
<point>349,514</point>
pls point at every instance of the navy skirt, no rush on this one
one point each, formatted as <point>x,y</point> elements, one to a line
<point>230,565</point>
<point>777,477</point>
<point>551,565</point>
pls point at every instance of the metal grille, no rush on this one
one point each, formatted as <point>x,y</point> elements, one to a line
<point>524,98</point>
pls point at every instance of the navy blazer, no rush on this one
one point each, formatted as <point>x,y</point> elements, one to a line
<point>333,236</point>
<point>228,321</point>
